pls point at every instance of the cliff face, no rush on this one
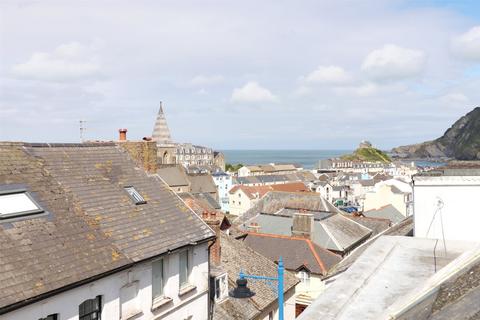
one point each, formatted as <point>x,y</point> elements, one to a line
<point>461,141</point>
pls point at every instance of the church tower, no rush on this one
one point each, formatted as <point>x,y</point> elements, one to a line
<point>161,133</point>
<point>166,153</point>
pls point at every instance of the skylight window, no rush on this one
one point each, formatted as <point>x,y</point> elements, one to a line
<point>136,197</point>
<point>17,203</point>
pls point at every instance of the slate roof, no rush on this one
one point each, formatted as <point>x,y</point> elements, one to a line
<point>367,183</point>
<point>403,228</point>
<point>276,200</point>
<point>205,200</point>
<point>377,225</point>
<point>317,215</point>
<point>386,212</point>
<point>92,226</point>
<point>173,176</point>
<point>236,256</point>
<point>336,232</point>
<point>339,233</point>
<point>259,191</point>
<point>296,252</point>
<point>201,183</point>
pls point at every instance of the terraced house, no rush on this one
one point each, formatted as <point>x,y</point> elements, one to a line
<point>87,233</point>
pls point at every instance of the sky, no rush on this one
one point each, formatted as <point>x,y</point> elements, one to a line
<point>239,74</point>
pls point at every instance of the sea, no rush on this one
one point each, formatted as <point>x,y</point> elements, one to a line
<point>307,158</point>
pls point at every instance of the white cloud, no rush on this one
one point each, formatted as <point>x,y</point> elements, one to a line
<point>366,90</point>
<point>467,45</point>
<point>253,92</point>
<point>302,91</point>
<point>202,80</point>
<point>70,61</point>
<point>454,99</point>
<point>329,75</point>
<point>393,62</point>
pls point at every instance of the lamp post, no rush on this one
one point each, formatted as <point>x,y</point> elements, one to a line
<point>242,291</point>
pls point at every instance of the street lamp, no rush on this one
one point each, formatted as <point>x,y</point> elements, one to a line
<point>242,291</point>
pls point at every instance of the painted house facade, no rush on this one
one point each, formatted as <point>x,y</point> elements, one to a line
<point>223,181</point>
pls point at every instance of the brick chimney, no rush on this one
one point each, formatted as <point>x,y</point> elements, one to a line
<point>123,135</point>
<point>144,153</point>
<point>302,225</point>
<point>213,222</point>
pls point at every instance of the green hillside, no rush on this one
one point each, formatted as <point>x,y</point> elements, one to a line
<point>368,154</point>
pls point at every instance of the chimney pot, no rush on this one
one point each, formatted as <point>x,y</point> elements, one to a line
<point>123,134</point>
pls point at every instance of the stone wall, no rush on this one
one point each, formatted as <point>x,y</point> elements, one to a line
<point>143,152</point>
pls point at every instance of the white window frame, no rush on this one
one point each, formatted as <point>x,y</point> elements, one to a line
<point>136,197</point>
<point>20,213</point>
<point>186,283</point>
<point>161,296</point>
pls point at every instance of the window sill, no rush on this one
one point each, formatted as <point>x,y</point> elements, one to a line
<point>183,291</point>
<point>161,302</point>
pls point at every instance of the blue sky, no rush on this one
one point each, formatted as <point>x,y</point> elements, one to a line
<point>239,75</point>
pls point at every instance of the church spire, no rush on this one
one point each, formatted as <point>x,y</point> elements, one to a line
<point>161,133</point>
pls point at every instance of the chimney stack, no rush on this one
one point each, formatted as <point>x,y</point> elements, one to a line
<point>123,134</point>
<point>302,225</point>
<point>216,249</point>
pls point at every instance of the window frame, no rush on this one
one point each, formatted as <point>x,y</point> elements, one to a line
<point>162,294</point>
<point>136,201</point>
<point>98,311</point>
<point>21,213</point>
<point>186,283</point>
<point>53,316</point>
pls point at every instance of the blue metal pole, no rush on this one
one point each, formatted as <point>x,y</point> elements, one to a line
<point>280,288</point>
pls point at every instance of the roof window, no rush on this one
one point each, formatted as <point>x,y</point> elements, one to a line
<point>15,203</point>
<point>136,197</point>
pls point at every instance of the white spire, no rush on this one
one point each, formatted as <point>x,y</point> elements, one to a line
<point>161,133</point>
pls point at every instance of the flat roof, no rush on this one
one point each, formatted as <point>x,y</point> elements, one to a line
<point>390,268</point>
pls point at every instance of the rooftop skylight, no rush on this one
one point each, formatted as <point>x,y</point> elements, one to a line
<point>17,203</point>
<point>136,197</point>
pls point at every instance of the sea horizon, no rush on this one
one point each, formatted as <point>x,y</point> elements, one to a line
<point>308,158</point>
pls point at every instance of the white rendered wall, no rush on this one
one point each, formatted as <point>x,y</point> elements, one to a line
<point>239,202</point>
<point>193,304</point>
<point>460,213</point>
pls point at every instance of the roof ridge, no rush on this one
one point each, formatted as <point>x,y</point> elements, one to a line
<point>68,144</point>
<point>317,258</point>
<point>278,236</point>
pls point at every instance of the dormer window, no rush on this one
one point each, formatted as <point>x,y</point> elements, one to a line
<point>14,203</point>
<point>136,197</point>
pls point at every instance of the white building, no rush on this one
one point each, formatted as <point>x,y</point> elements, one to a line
<point>445,204</point>
<point>223,181</point>
<point>86,234</point>
<point>390,192</point>
<point>149,290</point>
